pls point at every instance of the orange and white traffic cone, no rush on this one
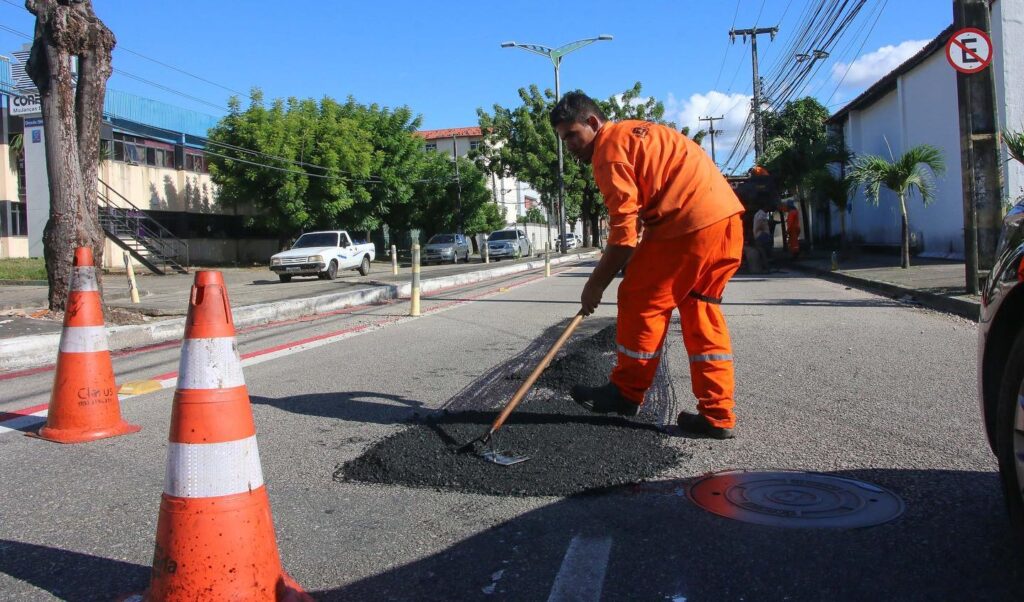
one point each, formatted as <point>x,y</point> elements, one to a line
<point>215,534</point>
<point>84,404</point>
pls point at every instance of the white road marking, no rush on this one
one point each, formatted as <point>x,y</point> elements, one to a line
<point>17,424</point>
<point>581,577</point>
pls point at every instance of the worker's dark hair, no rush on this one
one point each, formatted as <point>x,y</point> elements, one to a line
<point>575,107</point>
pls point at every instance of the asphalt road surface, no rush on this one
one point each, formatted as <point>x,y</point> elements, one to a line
<point>829,380</point>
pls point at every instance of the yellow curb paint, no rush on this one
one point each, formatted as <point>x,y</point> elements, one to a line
<point>139,387</point>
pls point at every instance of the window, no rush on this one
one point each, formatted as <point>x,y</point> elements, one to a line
<point>158,157</point>
<point>195,163</point>
<point>133,153</point>
<point>430,146</point>
<point>474,144</point>
<point>19,220</point>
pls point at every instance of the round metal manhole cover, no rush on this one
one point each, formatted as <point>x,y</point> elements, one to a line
<point>795,499</point>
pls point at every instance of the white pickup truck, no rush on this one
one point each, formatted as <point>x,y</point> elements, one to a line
<point>323,254</point>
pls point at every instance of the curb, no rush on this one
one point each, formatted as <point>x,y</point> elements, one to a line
<point>952,305</point>
<point>19,353</point>
<point>24,283</point>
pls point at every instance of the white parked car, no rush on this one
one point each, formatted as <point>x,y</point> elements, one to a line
<point>323,254</point>
<point>508,243</point>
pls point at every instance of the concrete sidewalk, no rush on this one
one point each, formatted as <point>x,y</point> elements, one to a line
<point>257,297</point>
<point>934,283</point>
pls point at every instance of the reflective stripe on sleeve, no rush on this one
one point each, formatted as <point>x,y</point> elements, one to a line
<point>83,339</point>
<point>197,470</point>
<point>210,364</point>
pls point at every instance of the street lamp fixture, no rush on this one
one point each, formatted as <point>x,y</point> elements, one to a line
<point>555,56</point>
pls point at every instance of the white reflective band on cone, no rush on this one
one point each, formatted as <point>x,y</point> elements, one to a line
<point>210,364</point>
<point>711,357</point>
<point>83,339</point>
<point>639,355</point>
<point>83,279</point>
<point>196,470</point>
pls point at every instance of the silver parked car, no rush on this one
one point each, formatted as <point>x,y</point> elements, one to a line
<point>446,248</point>
<point>1001,362</point>
<point>508,243</point>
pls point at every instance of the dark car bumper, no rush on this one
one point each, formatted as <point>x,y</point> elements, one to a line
<point>299,269</point>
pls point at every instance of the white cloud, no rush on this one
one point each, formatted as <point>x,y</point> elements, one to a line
<point>868,69</point>
<point>687,112</point>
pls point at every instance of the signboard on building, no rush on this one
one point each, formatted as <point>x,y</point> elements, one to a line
<point>29,104</point>
<point>969,50</point>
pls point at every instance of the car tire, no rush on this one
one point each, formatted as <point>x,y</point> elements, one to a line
<point>1010,439</point>
<point>331,273</point>
<point>364,266</point>
<point>285,277</point>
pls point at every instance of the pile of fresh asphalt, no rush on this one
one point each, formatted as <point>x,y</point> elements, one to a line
<point>571,450</point>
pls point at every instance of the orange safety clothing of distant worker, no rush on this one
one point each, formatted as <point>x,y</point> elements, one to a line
<point>793,230</point>
<point>655,177</point>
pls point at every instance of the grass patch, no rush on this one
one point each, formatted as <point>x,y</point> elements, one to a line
<point>23,269</point>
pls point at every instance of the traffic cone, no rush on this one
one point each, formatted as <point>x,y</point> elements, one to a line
<point>84,404</point>
<point>215,534</point>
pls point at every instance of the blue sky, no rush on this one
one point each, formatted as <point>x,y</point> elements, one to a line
<point>444,61</point>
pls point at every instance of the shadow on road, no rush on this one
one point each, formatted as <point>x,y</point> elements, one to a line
<point>71,575</point>
<point>953,542</point>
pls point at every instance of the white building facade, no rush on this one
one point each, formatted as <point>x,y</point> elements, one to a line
<point>917,104</point>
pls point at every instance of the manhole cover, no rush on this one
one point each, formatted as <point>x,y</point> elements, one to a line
<point>795,499</point>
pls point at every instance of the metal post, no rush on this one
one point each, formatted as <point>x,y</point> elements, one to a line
<point>133,288</point>
<point>547,261</point>
<point>979,153</point>
<point>712,132</point>
<point>484,251</point>
<point>394,260</point>
<point>414,296</point>
<point>561,173</point>
<point>756,102</point>
<point>458,183</point>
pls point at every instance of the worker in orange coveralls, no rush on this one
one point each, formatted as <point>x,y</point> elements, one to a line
<point>793,229</point>
<point>691,247</point>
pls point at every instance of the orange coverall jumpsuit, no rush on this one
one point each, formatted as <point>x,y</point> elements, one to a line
<point>652,175</point>
<point>793,230</point>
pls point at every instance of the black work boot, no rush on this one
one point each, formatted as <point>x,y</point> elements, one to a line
<point>605,399</point>
<point>695,424</point>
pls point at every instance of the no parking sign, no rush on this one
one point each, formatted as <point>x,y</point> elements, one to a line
<point>969,50</point>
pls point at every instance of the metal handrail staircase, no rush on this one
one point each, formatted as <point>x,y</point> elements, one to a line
<point>132,229</point>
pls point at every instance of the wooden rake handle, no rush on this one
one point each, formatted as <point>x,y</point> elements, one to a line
<point>528,383</point>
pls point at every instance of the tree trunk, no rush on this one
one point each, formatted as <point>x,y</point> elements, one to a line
<point>71,122</point>
<point>806,210</point>
<point>842,228</point>
<point>904,235</point>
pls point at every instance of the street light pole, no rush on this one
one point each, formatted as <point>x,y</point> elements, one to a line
<point>555,56</point>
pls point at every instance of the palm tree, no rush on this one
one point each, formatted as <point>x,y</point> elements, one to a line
<point>1014,144</point>
<point>914,171</point>
<point>832,187</point>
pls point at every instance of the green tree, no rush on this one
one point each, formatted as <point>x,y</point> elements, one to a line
<point>830,187</point>
<point>798,146</point>
<point>304,155</point>
<point>441,198</point>
<point>799,120</point>
<point>396,160</point>
<point>913,172</point>
<point>535,216</point>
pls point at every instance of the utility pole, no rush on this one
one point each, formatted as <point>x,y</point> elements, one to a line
<point>979,152</point>
<point>756,102</point>
<point>712,132</point>
<point>458,182</point>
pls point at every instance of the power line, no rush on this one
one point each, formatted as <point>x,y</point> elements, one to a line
<point>133,76</point>
<point>153,60</point>
<point>859,50</point>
